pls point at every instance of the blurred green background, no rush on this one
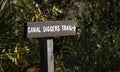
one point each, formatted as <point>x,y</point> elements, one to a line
<point>94,48</point>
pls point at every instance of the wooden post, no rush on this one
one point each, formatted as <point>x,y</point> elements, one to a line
<point>50,55</point>
<point>46,53</point>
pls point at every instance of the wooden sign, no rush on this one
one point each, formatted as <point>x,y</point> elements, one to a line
<point>50,29</point>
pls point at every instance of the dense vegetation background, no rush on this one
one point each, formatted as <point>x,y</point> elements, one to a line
<point>95,47</point>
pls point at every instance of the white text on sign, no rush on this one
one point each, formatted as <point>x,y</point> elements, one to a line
<point>54,28</point>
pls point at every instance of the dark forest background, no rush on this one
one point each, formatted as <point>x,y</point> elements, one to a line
<point>94,48</point>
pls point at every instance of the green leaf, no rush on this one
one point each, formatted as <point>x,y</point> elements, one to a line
<point>3,5</point>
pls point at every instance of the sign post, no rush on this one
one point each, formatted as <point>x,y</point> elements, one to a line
<point>47,57</point>
<point>44,31</point>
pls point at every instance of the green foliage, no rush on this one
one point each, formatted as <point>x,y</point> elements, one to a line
<point>96,45</point>
<point>94,48</point>
<point>13,47</point>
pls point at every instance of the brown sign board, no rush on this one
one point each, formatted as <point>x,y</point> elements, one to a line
<point>50,28</point>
